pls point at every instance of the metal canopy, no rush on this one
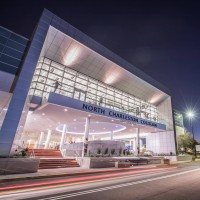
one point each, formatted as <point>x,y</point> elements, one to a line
<point>65,50</point>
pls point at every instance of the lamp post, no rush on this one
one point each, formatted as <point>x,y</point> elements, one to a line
<point>191,115</point>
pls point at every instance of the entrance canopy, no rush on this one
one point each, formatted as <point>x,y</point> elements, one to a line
<point>51,116</point>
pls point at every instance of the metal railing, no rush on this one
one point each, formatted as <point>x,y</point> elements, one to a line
<point>32,155</point>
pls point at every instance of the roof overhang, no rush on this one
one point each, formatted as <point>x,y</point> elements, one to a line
<point>68,51</point>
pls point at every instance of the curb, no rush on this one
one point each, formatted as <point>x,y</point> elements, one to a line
<point>173,163</point>
<point>83,173</point>
<point>62,175</point>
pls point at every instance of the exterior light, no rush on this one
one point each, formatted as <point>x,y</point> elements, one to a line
<point>190,114</point>
<point>65,110</point>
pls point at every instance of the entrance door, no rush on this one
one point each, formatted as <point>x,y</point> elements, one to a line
<point>82,96</point>
<point>76,94</point>
<point>79,94</point>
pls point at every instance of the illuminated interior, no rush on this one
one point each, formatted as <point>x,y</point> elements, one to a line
<point>53,77</point>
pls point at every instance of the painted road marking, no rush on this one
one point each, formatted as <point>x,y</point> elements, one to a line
<point>117,186</point>
<point>56,187</point>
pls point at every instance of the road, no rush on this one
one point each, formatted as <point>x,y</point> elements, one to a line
<point>168,183</point>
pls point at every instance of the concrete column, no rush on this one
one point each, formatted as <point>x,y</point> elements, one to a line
<point>141,143</point>
<point>137,141</point>
<point>134,144</point>
<point>93,137</point>
<point>63,135</point>
<point>48,139</point>
<point>40,139</point>
<point>111,135</point>
<point>86,136</point>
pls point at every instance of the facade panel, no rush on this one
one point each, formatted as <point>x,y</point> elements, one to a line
<point>12,48</point>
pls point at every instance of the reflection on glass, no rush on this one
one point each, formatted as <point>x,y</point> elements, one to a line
<point>73,84</point>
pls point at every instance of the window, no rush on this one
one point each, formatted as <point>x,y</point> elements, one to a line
<point>77,85</point>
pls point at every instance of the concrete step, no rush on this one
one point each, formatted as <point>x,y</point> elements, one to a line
<point>57,163</point>
<point>45,153</point>
<point>50,158</point>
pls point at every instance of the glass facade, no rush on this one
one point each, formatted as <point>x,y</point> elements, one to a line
<point>50,76</point>
<point>12,47</point>
<point>178,118</point>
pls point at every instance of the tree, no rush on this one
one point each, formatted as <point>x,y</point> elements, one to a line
<point>185,142</point>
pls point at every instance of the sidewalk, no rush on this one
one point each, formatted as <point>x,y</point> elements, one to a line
<point>61,172</point>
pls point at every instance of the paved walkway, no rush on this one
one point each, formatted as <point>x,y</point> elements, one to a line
<point>47,173</point>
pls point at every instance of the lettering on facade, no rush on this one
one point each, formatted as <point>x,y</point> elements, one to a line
<point>148,123</point>
<point>120,116</point>
<point>123,116</point>
<point>93,109</point>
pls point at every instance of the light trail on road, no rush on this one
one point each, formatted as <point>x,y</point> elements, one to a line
<point>45,185</point>
<point>77,189</point>
<point>116,186</point>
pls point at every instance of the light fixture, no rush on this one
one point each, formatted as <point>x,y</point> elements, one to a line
<point>65,110</point>
<point>30,112</point>
<point>190,114</point>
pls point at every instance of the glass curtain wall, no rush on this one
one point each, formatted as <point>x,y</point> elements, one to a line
<point>50,76</point>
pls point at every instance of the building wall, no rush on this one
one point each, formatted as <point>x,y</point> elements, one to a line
<point>161,142</point>
<point>6,81</point>
<point>165,113</point>
<point>12,48</point>
<point>179,126</point>
<point>13,117</point>
<point>11,125</point>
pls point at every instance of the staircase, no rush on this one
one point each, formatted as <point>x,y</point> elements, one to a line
<point>46,153</point>
<point>50,159</point>
<point>57,163</point>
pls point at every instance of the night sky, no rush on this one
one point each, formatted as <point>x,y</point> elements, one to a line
<point>162,38</point>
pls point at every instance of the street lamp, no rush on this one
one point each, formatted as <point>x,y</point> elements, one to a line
<point>190,115</point>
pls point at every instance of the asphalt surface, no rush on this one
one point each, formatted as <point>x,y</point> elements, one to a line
<point>169,183</point>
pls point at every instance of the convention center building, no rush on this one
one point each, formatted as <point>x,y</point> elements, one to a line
<point>62,88</point>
